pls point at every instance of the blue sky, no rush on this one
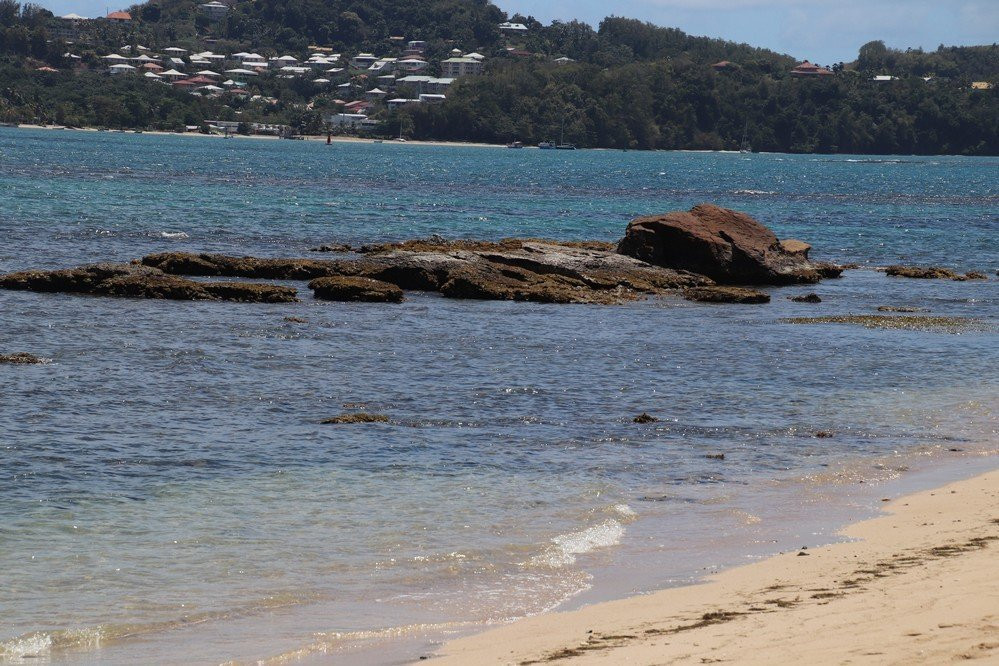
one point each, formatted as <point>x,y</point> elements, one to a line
<point>824,32</point>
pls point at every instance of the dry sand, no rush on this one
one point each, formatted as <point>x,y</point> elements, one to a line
<point>919,585</point>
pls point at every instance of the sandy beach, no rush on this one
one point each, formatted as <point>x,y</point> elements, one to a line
<point>269,137</point>
<point>916,585</point>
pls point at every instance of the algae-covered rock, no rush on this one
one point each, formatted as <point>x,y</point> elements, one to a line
<point>725,295</point>
<point>355,289</point>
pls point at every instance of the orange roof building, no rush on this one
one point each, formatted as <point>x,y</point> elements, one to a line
<point>121,17</point>
<point>809,69</point>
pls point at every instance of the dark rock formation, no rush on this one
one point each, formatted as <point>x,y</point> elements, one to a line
<point>355,289</point>
<point>725,295</point>
<point>22,358</point>
<point>521,270</point>
<point>922,272</point>
<point>715,456</point>
<point>360,417</point>
<point>725,245</point>
<point>806,298</point>
<point>975,275</point>
<point>130,280</point>
<point>645,417</point>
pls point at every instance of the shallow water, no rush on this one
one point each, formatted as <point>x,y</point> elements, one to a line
<point>169,496</point>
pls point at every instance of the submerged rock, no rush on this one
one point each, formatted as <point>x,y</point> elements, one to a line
<point>355,289</point>
<point>130,280</point>
<point>725,295</point>
<point>645,417</point>
<point>806,298</point>
<point>332,247</point>
<point>22,358</point>
<point>361,417</point>
<point>903,322</point>
<point>725,245</point>
<point>975,275</point>
<point>900,308</point>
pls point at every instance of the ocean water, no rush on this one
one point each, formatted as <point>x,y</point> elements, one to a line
<point>167,494</point>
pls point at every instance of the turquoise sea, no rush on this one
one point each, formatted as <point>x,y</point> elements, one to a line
<point>167,494</point>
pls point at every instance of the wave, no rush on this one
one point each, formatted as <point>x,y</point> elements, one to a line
<point>565,547</point>
<point>45,644</point>
<point>753,192</point>
<point>173,234</point>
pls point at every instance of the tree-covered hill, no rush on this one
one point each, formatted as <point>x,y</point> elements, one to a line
<point>622,84</point>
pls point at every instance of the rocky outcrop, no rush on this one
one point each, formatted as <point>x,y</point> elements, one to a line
<point>22,358</point>
<point>515,269</point>
<point>130,280</point>
<point>921,272</point>
<point>355,289</point>
<point>806,298</point>
<point>645,417</point>
<point>728,246</point>
<point>725,295</point>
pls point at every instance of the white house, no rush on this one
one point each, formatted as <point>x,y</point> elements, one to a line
<point>411,64</point>
<point>455,67</point>
<point>115,59</point>
<point>346,120</point>
<point>214,10</point>
<point>513,27</point>
<point>115,70</point>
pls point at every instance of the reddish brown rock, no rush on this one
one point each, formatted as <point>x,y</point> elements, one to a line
<point>355,289</point>
<point>725,245</point>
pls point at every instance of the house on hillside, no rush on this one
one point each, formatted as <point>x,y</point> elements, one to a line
<point>807,69</point>
<point>981,85</point>
<point>884,78</point>
<point>215,11</point>
<point>119,17</point>
<point>455,67</point>
<point>506,26</point>
<point>722,65</point>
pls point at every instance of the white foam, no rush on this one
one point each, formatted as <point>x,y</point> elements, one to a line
<point>173,234</point>
<point>754,192</point>
<point>565,547</point>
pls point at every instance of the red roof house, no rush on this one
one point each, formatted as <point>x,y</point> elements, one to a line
<point>120,17</point>
<point>809,69</point>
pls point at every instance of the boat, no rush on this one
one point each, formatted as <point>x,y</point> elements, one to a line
<point>565,146</point>
<point>546,145</point>
<point>744,147</point>
<point>515,144</point>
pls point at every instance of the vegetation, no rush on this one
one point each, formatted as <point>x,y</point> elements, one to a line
<point>628,84</point>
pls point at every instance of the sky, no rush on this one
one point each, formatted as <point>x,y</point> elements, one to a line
<point>823,32</point>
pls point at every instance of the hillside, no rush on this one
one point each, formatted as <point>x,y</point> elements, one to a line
<point>622,84</point>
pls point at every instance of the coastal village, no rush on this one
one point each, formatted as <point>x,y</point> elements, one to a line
<point>364,85</point>
<point>359,89</point>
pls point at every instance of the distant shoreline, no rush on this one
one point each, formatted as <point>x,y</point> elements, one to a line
<point>312,138</point>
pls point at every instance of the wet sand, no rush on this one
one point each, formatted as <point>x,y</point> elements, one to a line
<point>917,585</point>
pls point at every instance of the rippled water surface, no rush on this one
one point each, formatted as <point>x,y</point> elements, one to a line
<point>166,491</point>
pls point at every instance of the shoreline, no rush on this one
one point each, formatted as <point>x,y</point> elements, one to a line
<point>909,586</point>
